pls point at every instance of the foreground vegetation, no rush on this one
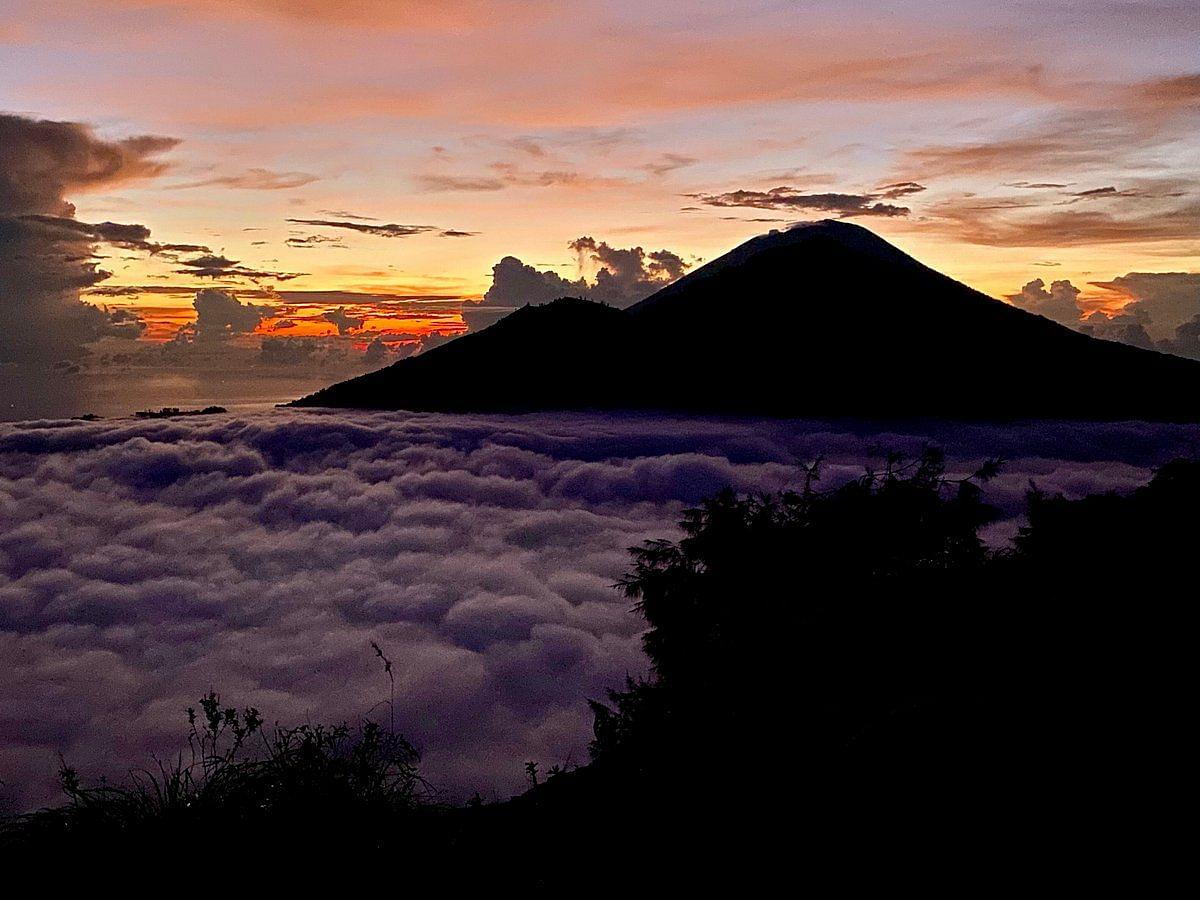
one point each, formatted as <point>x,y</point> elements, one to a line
<point>845,680</point>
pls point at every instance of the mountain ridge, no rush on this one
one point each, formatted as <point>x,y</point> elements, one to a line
<point>824,319</point>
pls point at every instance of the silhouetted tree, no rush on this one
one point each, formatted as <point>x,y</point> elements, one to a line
<point>784,613</point>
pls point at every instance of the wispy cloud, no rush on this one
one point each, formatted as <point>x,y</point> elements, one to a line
<point>388,231</point>
<point>255,180</point>
<point>789,198</point>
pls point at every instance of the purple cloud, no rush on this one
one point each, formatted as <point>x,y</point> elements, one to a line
<point>143,562</point>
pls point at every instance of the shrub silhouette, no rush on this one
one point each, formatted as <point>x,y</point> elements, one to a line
<point>858,664</point>
<point>280,786</point>
<point>790,616</point>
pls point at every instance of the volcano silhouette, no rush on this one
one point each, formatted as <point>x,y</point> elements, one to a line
<point>824,319</point>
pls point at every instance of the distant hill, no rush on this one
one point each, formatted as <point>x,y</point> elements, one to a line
<point>822,319</point>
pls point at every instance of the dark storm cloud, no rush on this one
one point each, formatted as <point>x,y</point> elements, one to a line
<point>789,198</point>
<point>46,256</point>
<point>144,562</point>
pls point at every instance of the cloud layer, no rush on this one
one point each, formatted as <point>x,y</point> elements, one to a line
<point>795,200</point>
<point>144,562</point>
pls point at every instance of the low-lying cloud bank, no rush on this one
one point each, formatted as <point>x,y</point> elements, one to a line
<point>144,562</point>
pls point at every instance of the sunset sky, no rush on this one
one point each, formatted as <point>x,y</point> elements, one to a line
<point>384,156</point>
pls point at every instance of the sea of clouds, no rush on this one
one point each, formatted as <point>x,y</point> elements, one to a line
<point>144,562</point>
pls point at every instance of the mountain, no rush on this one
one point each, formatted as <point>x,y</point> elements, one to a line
<point>822,319</point>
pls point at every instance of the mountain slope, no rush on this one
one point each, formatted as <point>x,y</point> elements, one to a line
<point>822,319</point>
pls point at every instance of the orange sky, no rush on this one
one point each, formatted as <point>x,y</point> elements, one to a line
<point>1056,140</point>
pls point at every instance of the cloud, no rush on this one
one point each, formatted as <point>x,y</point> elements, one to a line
<point>219,314</point>
<point>789,198</point>
<point>1122,328</point>
<point>125,323</point>
<point>145,562</point>
<point>342,214</point>
<point>1157,310</point>
<point>620,277</point>
<point>387,231</point>
<point>1121,129</point>
<point>44,161</point>
<point>1059,303</point>
<point>625,276</point>
<point>307,242</point>
<point>438,15</point>
<point>1001,222</point>
<point>515,283</point>
<point>1187,340</point>
<point>1164,301</point>
<point>1176,92</point>
<point>46,256</point>
<point>345,322</point>
<point>122,235</point>
<point>668,163</point>
<point>287,351</point>
<point>508,174</point>
<point>256,180</point>
<point>899,189</point>
<point>376,353</point>
<point>459,183</point>
<point>215,266</point>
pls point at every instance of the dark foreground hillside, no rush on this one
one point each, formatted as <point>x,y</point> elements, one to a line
<point>849,690</point>
<point>824,319</point>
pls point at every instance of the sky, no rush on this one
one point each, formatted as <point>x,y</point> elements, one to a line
<point>302,190</point>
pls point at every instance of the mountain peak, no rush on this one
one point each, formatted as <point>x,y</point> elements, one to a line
<point>806,243</point>
<point>820,319</point>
